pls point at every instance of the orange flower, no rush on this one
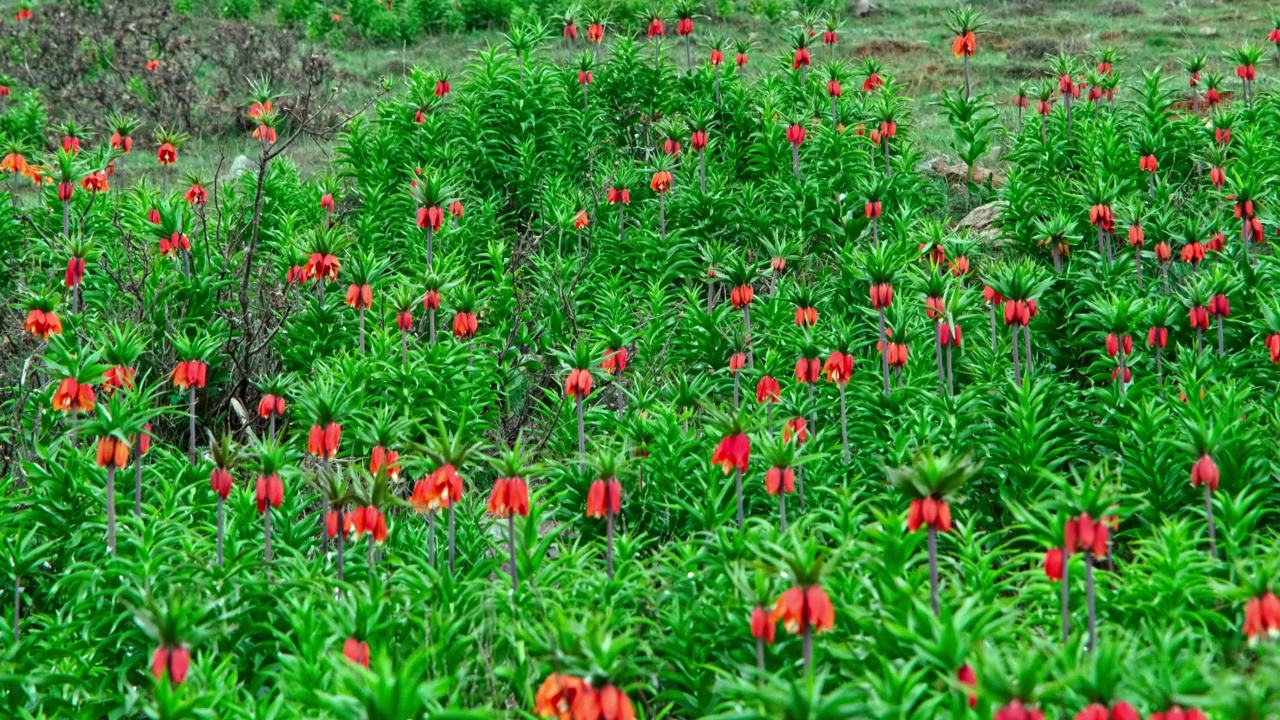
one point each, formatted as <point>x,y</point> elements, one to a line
<point>733,452</point>
<point>464,325</point>
<point>795,427</point>
<point>439,490</point>
<point>73,396</point>
<point>661,181</point>
<point>190,373</point>
<point>578,384</point>
<point>381,458</point>
<point>42,324</point>
<point>839,368</point>
<point>112,452</point>
<point>964,45</point>
<point>556,696</point>
<point>510,496</point>
<point>780,478</point>
<point>360,297</point>
<point>14,163</point>
<point>800,608</point>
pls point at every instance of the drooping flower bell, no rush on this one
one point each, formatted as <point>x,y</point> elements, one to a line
<point>778,479</point>
<point>1204,472</point>
<point>1262,617</point>
<point>464,326</point>
<point>323,442</point>
<point>881,296</point>
<point>220,481</point>
<point>808,369</point>
<point>801,608</point>
<point>801,59</point>
<point>357,651</point>
<point>75,271</point>
<point>737,362</point>
<point>117,377</point>
<point>171,662</point>
<point>595,33</point>
<point>381,458</point>
<point>615,360</point>
<point>1085,534</point>
<point>684,26</point>
<point>762,628</point>
<point>1015,710</point>
<point>360,297</point>
<point>430,217</point>
<point>42,323</point>
<point>173,243</point>
<point>1198,316</point>
<point>578,384</point>
<point>510,496</point>
<point>196,195</point>
<point>271,404</point>
<point>404,320</point>
<point>741,296</point>
<point>618,195</point>
<point>167,154</point>
<point>555,697</point>
<point>795,134</point>
<point>604,497</point>
<point>949,335</point>
<point>929,512</point>
<point>839,367</point>
<point>656,28</point>
<point>733,453</point>
<point>190,373</point>
<point>795,427</point>
<point>268,491</point>
<point>964,45</point>
<point>661,181</point>
<point>112,452</point>
<point>1219,306</point>
<point>806,316</point>
<point>769,390</point>
<point>1053,562</point>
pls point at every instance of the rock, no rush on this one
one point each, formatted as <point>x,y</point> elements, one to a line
<point>1207,31</point>
<point>241,165</point>
<point>957,173</point>
<point>983,220</point>
<point>864,8</point>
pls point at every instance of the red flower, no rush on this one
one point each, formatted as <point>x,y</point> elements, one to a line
<point>829,37</point>
<point>608,703</point>
<point>619,195</point>
<point>326,202</point>
<point>1204,471</point>
<point>1246,72</point>
<point>455,209</point>
<point>323,441</point>
<point>360,297</point>
<point>117,377</point>
<point>65,190</point>
<point>833,88</point>
<point>768,389</point>
<point>949,335</point>
<point>1163,251</point>
<point>357,651</point>
<point>1199,318</point>
<point>42,324</point>
<point>190,373</point>
<point>741,296</point>
<point>1102,216</point>
<point>795,134</point>
<point>1157,336</point>
<point>1262,615</point>
<point>570,31</point>
<point>510,496</point>
<point>737,361</point>
<point>220,480</point>
<point>800,608</point>
<point>733,452</point>
<point>873,209</point>
<point>578,384</point>
<point>1219,306</point>
<point>1272,343</point>
<point>801,58</point>
<point>684,26</point>
<point>443,88</point>
<point>555,698</point>
<point>75,271</point>
<point>762,628</point>
<point>432,217</point>
<point>604,497</point>
<point>741,60</point>
<point>271,404</point>
<point>777,478</point>
<point>698,141</point>
<point>269,491</point>
<point>196,195</point>
<point>1053,562</point>
<point>171,661</point>
<point>1147,163</point>
<point>173,243</point>
<point>431,300</point>
<point>595,33</point>
<point>380,458</point>
<point>797,427</point>
<point>965,676</point>
<point>167,154</point>
<point>615,361</point>
<point>839,367</point>
<point>717,57</point>
<point>1218,177</point>
<point>881,296</point>
<point>655,28</point>
<point>930,513</point>
<point>1083,533</point>
<point>404,320</point>
<point>1124,711</point>
<point>806,316</point>
<point>95,182</point>
<point>464,325</point>
<point>1093,712</point>
<point>71,144</point>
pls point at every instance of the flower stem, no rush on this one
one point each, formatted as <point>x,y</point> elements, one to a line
<point>451,535</point>
<point>608,539</point>
<point>933,569</point>
<point>844,424</point>
<point>511,542</point>
<point>738,488</point>
<point>111,509</point>
<point>782,510</point>
<point>1066,591</point>
<point>137,486</point>
<point>1090,597</point>
<point>884,353</point>
<point>1208,514</point>
<point>221,528</point>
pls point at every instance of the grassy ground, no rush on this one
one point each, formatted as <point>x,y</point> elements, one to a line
<point>909,35</point>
